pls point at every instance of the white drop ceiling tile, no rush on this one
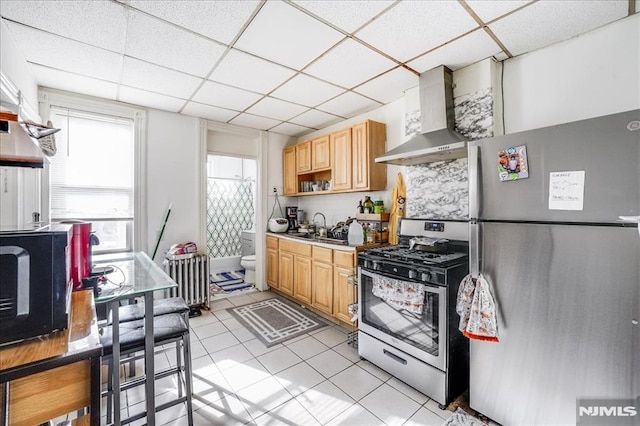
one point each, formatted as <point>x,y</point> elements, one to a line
<point>277,109</point>
<point>149,99</point>
<point>284,34</point>
<point>390,86</point>
<point>290,129</point>
<point>458,54</point>
<point>99,23</point>
<point>242,70</point>
<point>62,80</point>
<point>164,44</point>
<point>316,119</point>
<point>154,78</point>
<point>196,109</point>
<point>347,15</point>
<point>61,53</point>
<point>348,105</point>
<point>488,10</point>
<point>411,28</point>
<point>217,94</point>
<point>255,122</point>
<point>545,23</point>
<point>218,20</point>
<point>349,64</point>
<point>306,90</point>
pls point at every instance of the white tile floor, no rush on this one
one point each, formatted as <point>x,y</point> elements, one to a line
<point>315,379</point>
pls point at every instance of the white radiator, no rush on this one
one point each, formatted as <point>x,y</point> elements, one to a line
<point>192,276</point>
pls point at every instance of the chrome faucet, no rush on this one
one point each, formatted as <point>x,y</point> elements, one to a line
<point>324,220</point>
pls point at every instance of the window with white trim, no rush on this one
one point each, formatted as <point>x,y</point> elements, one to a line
<point>93,175</point>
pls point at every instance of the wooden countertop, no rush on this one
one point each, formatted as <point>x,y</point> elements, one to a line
<point>81,336</point>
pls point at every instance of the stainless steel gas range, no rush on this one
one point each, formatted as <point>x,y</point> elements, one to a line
<point>408,325</point>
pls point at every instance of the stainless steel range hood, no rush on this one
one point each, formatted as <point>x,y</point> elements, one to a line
<point>438,140</point>
<point>17,148</point>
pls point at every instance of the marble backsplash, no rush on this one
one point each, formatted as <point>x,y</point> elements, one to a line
<point>440,190</point>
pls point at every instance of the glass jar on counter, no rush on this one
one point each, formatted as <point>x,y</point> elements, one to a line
<point>370,235</point>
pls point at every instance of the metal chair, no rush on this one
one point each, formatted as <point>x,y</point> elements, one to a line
<point>169,328</point>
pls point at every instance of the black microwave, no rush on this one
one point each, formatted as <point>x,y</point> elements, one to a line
<point>35,282</point>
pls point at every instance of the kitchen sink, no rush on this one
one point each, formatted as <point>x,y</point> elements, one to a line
<point>312,237</point>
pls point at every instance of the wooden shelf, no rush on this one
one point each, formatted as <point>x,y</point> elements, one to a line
<point>373,217</point>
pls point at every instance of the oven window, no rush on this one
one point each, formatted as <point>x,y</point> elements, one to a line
<point>419,330</point>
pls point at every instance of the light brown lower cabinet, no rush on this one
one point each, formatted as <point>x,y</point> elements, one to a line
<point>344,291</point>
<point>272,268</point>
<point>302,279</point>
<point>316,276</point>
<point>285,273</point>
<point>322,279</point>
<point>294,267</point>
<point>272,262</point>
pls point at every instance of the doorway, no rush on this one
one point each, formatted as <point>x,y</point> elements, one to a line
<point>230,209</point>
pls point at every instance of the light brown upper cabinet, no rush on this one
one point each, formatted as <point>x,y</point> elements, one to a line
<point>303,157</point>
<point>346,158</point>
<point>341,148</point>
<point>365,147</point>
<point>290,177</point>
<point>320,153</point>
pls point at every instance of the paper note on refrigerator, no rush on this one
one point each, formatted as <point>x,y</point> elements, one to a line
<point>566,190</point>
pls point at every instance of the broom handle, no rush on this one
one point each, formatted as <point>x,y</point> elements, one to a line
<point>161,232</point>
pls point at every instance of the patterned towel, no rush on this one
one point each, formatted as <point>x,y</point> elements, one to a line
<point>399,294</point>
<point>462,418</point>
<point>477,309</point>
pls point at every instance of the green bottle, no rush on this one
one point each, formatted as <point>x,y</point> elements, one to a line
<point>368,205</point>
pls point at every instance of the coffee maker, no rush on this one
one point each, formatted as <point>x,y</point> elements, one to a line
<point>292,217</point>
<point>81,242</point>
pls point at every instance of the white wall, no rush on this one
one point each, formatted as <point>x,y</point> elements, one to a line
<point>173,176</point>
<point>592,75</point>
<point>14,67</point>
<point>273,164</point>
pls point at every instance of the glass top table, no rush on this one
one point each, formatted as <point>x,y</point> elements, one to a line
<point>132,275</point>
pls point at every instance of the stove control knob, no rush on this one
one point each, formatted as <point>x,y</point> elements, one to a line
<point>413,274</point>
<point>376,266</point>
<point>426,276</point>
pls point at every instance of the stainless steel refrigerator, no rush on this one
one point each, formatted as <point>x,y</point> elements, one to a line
<point>563,268</point>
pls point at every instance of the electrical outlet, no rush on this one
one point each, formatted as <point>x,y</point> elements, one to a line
<point>275,191</point>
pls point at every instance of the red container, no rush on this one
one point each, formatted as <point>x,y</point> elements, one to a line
<point>80,253</point>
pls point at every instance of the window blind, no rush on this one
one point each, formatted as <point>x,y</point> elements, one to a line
<point>92,174</point>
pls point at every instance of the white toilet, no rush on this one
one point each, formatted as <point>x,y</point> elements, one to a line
<point>248,260</point>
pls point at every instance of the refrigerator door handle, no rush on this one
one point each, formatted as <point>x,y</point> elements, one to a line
<point>631,219</point>
<point>474,249</point>
<point>474,181</point>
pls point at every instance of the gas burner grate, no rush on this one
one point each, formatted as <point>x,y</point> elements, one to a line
<point>405,255</point>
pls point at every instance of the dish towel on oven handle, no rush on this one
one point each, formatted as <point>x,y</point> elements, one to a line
<point>477,309</point>
<point>399,294</point>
